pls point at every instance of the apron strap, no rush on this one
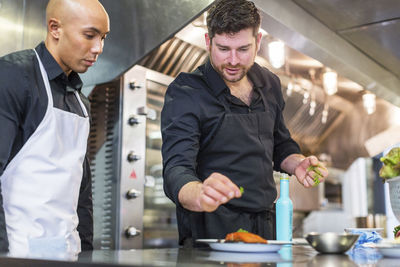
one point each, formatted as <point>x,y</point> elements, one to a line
<point>45,80</point>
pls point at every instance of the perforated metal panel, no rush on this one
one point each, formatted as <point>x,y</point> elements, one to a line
<point>104,155</point>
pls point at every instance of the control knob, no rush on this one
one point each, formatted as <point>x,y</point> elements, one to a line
<point>131,232</point>
<point>132,157</point>
<point>132,193</point>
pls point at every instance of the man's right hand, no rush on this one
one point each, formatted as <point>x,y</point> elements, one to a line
<point>217,189</point>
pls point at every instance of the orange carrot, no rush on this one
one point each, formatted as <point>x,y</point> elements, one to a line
<point>244,237</point>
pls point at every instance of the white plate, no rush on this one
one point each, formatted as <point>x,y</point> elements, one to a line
<point>388,249</point>
<point>216,244</point>
<point>391,252</point>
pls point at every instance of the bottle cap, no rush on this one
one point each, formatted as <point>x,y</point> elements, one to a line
<point>284,176</point>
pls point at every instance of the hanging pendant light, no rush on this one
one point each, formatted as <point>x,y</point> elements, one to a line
<point>289,89</point>
<point>369,102</point>
<point>313,104</point>
<point>306,96</point>
<point>276,53</point>
<point>324,118</point>
<point>329,80</point>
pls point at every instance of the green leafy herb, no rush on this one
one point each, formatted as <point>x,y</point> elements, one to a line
<point>317,174</point>
<point>391,164</point>
<point>242,231</point>
<point>241,189</point>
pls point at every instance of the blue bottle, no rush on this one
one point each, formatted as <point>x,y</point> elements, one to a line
<point>284,211</point>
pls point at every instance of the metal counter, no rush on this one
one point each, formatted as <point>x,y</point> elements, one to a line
<point>286,257</point>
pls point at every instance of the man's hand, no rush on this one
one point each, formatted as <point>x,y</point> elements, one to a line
<point>305,173</point>
<point>217,189</point>
<point>306,169</point>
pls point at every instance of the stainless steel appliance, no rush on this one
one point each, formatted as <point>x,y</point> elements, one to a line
<point>124,148</point>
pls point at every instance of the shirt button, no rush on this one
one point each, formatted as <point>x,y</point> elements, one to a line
<point>249,109</point>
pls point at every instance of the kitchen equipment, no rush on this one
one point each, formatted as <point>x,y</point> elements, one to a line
<point>394,192</point>
<point>331,242</point>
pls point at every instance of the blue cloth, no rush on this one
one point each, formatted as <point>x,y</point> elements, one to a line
<point>366,237</point>
<point>365,255</point>
<point>362,255</point>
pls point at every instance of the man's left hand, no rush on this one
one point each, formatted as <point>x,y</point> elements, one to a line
<point>306,176</point>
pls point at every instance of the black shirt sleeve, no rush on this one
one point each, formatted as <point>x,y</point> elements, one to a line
<point>12,98</point>
<point>85,202</point>
<point>85,208</point>
<point>180,128</point>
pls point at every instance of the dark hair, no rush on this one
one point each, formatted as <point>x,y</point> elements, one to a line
<point>232,16</point>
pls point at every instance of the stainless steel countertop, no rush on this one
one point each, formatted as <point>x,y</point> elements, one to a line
<point>297,255</point>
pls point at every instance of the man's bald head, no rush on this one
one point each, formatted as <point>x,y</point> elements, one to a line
<point>75,32</point>
<point>64,9</point>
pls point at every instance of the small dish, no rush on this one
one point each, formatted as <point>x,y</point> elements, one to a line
<point>329,242</point>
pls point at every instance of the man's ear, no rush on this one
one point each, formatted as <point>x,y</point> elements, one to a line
<point>258,40</point>
<point>53,27</point>
<point>208,41</point>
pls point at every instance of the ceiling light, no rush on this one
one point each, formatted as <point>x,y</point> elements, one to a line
<point>325,112</point>
<point>329,80</point>
<point>289,89</point>
<point>313,104</point>
<point>276,53</point>
<point>369,101</point>
<point>306,96</point>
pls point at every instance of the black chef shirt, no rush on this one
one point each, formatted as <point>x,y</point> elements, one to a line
<point>23,104</point>
<point>192,114</point>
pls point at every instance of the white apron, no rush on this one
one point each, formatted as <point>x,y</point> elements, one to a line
<point>40,186</point>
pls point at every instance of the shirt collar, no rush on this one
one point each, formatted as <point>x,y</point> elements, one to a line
<point>73,81</point>
<point>214,80</point>
<point>217,84</point>
<point>256,76</point>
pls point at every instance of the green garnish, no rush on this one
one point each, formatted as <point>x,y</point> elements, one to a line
<point>242,231</point>
<point>241,189</point>
<point>396,229</point>
<point>317,174</point>
<point>391,164</point>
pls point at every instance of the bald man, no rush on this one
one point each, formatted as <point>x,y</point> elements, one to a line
<point>46,203</point>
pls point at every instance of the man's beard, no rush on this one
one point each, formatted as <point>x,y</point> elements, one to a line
<point>237,77</point>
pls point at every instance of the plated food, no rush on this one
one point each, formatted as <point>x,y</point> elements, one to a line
<point>243,241</point>
<point>396,233</point>
<point>244,236</point>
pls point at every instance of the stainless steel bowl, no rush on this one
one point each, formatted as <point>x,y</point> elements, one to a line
<point>331,242</point>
